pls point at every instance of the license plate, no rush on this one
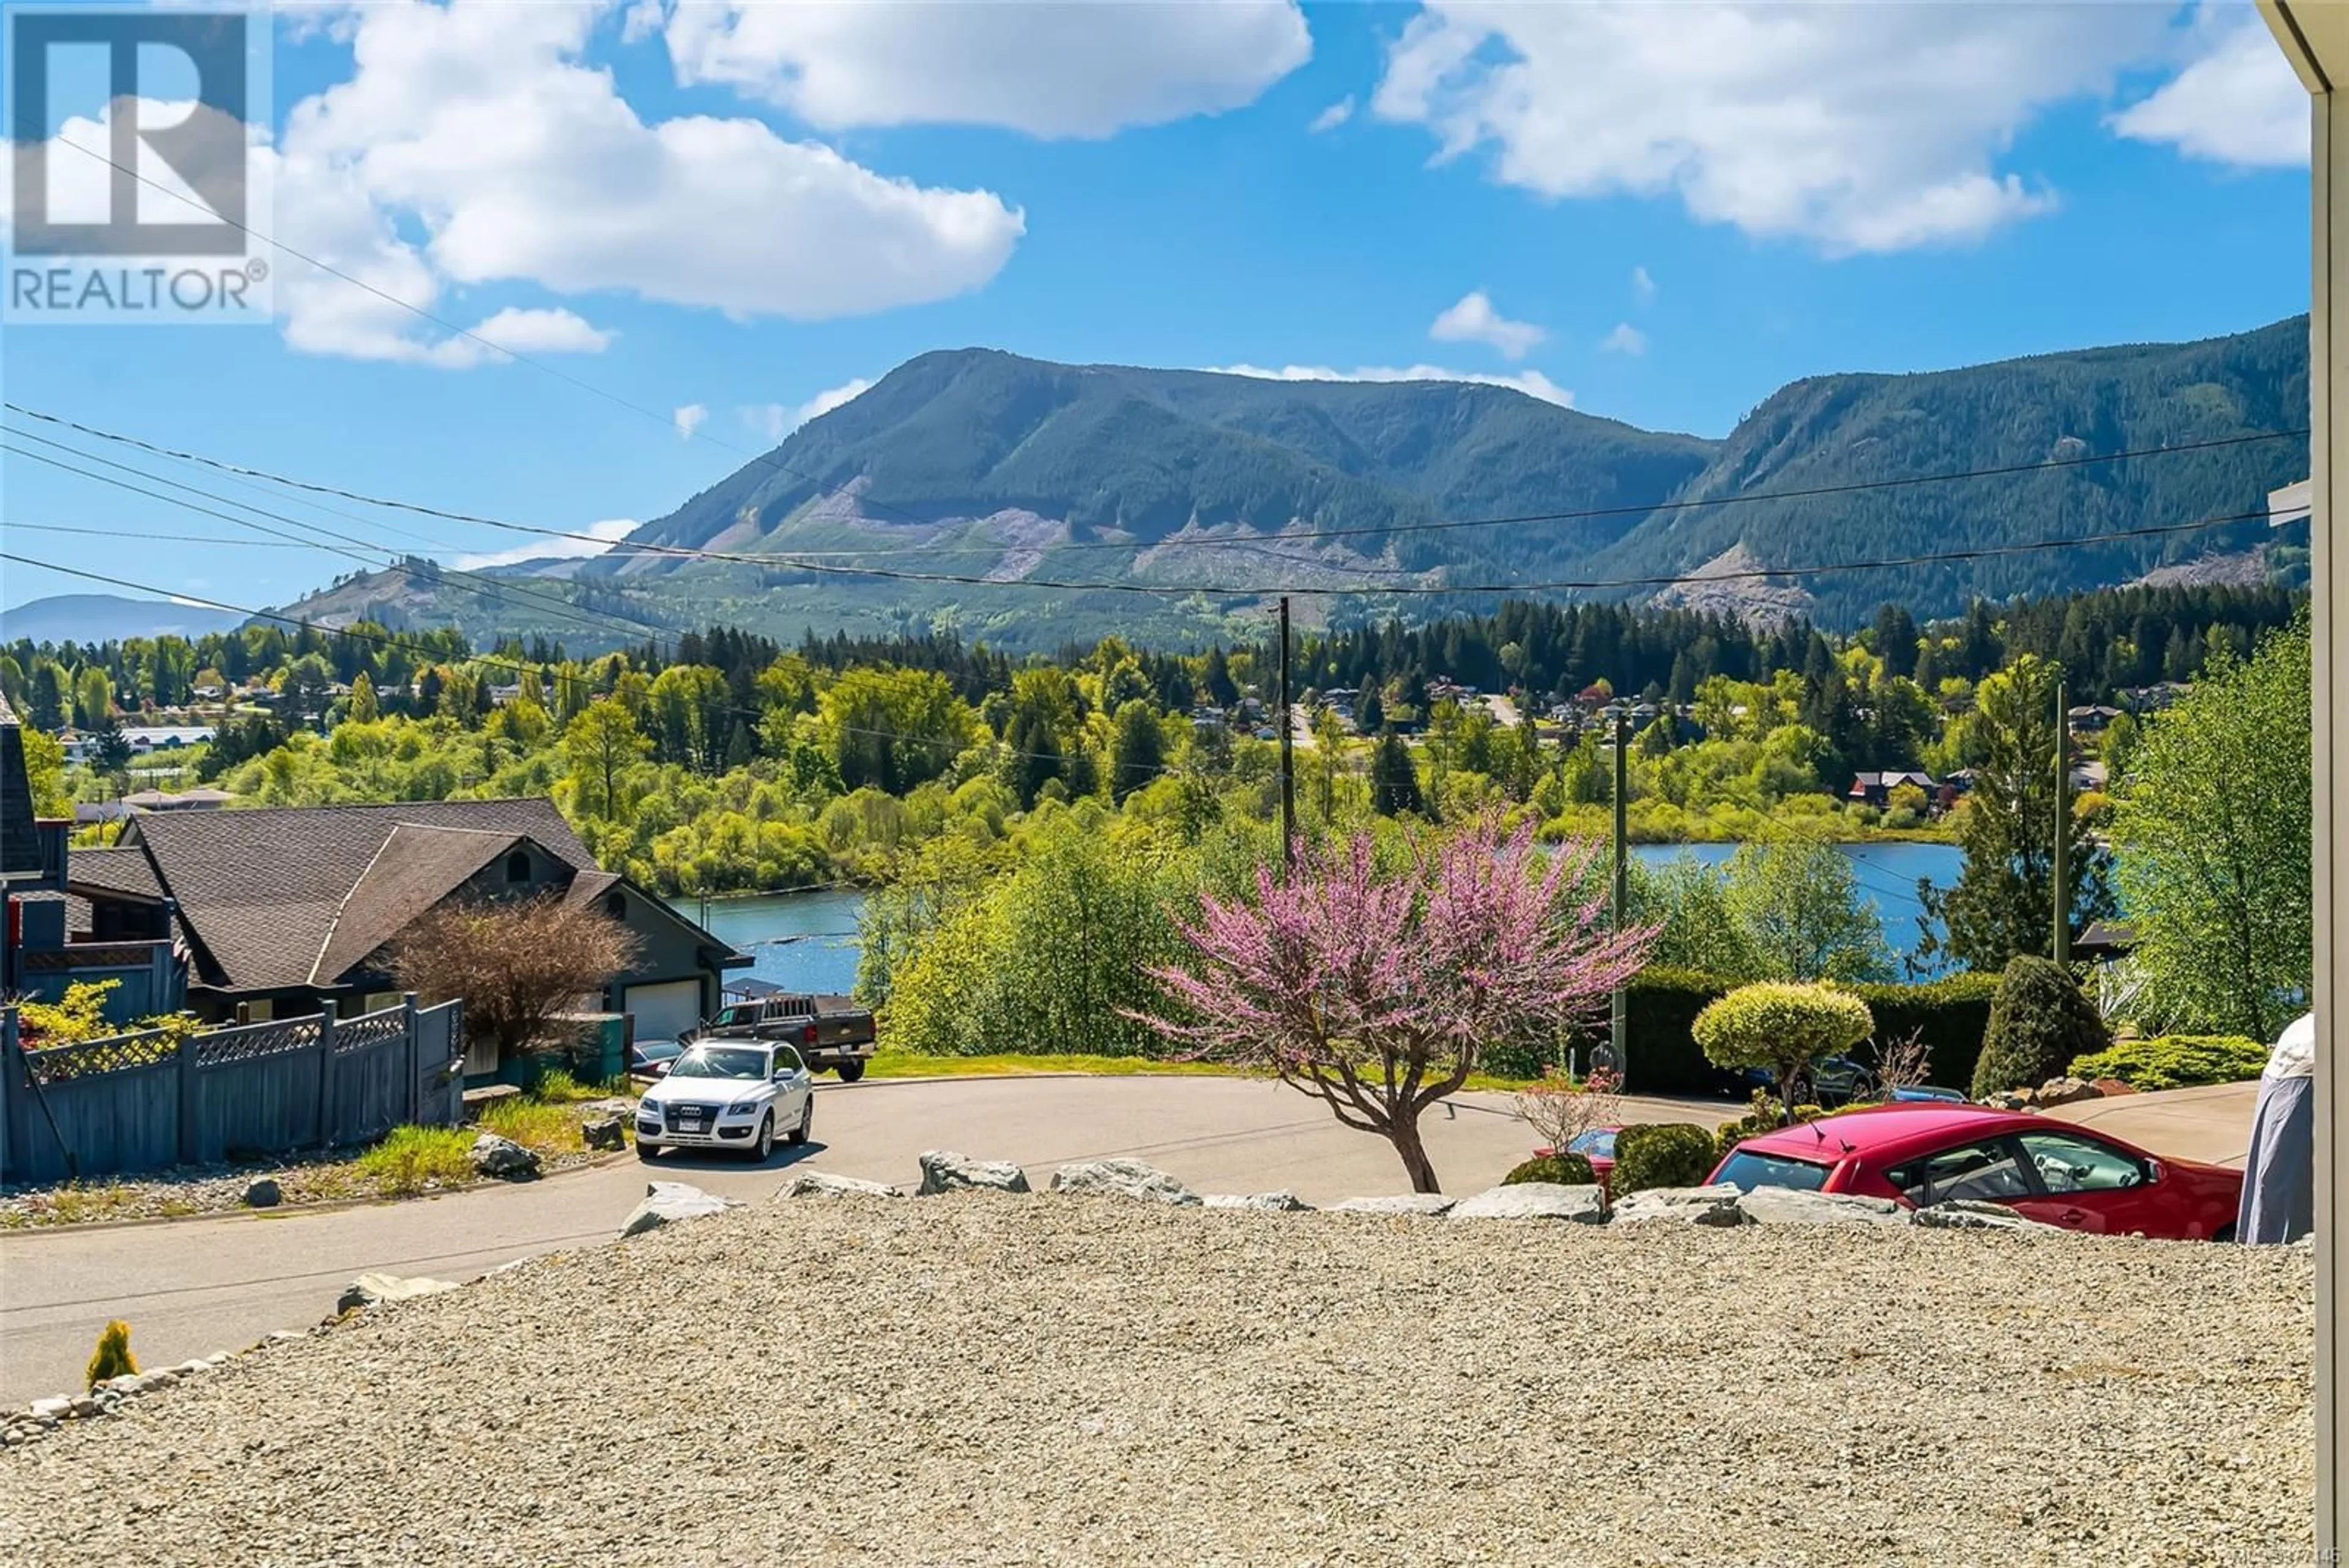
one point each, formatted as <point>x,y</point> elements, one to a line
<point>691,1125</point>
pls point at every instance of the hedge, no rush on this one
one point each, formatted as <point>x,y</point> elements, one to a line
<point>1662,1058</point>
<point>1660,1153</point>
<point>1565,1170</point>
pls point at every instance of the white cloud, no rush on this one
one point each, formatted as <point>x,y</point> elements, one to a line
<point>1473,320</point>
<point>776,420</point>
<point>473,145</point>
<point>2236,102</point>
<point>604,535</point>
<point>520,332</point>
<point>1067,69</point>
<point>1643,287</point>
<point>1625,339</point>
<point>831,398</point>
<point>1533,383</point>
<point>1331,118</point>
<point>688,419</point>
<point>1858,128</point>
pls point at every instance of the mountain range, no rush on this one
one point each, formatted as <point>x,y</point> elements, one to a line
<point>1019,501</point>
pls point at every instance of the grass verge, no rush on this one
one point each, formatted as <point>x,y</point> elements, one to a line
<point>411,1159</point>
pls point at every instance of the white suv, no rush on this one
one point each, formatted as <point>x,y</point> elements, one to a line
<point>728,1094</point>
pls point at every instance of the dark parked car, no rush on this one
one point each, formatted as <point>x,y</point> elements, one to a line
<point>1831,1081</point>
<point>653,1058</point>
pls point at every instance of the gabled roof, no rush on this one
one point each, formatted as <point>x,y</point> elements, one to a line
<point>259,891</point>
<point>20,840</point>
<point>414,869</point>
<point>126,872</point>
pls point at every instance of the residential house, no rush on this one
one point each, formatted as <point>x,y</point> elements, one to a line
<point>282,908</point>
<point>2090,720</point>
<point>1876,788</point>
<point>186,800</point>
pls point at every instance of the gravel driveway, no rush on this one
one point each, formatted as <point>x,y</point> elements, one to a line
<point>978,1379</point>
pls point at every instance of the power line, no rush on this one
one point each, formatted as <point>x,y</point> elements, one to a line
<point>1213,590</point>
<point>668,420</point>
<point>1259,543</point>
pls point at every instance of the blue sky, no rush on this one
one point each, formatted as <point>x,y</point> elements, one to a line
<point>729,215</point>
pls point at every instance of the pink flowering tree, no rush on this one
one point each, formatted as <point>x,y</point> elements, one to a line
<point>1377,991</point>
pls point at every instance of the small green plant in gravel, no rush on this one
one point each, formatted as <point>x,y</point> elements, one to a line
<point>113,1358</point>
<point>550,1128</point>
<point>411,1159</point>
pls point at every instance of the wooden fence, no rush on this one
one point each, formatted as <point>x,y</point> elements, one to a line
<point>139,1102</point>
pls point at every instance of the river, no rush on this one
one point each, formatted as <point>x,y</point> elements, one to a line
<point>808,942</point>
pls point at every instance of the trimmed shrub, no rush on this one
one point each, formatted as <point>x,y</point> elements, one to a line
<point>1950,1015</point>
<point>113,1358</point>
<point>1781,1027</point>
<point>1660,1153</point>
<point>2175,1061</point>
<point>1766,1117</point>
<point>1567,1169</point>
<point>2041,1023</point>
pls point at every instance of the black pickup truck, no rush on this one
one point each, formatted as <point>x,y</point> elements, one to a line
<point>830,1030</point>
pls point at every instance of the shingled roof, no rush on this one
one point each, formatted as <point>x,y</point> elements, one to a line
<point>125,872</point>
<point>414,869</point>
<point>261,891</point>
<point>20,840</point>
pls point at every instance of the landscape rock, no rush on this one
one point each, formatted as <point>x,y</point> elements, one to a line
<point>1123,1179</point>
<point>1401,1204</point>
<point>2111,1086</point>
<point>602,1132</point>
<point>2065,1091</point>
<point>1534,1200</point>
<point>161,1377</point>
<point>85,1407</point>
<point>824,1184</point>
<point>943,1171</point>
<point>128,1383</point>
<point>54,1409</point>
<point>1972,1214</point>
<point>375,1290</point>
<point>193,1368</point>
<point>667,1203</point>
<point>1276,1202</point>
<point>262,1194</point>
<point>502,1158</point>
<point>1715,1205</point>
<point>1788,1205</point>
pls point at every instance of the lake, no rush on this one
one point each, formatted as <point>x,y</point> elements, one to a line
<point>808,942</point>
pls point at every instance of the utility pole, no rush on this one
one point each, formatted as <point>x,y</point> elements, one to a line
<point>2063,940</point>
<point>1288,755</point>
<point>1620,1018</point>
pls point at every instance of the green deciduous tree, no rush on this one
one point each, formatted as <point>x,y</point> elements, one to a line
<point>2004,900</point>
<point>600,747</point>
<point>1781,1027</point>
<point>1799,903</point>
<point>2211,840</point>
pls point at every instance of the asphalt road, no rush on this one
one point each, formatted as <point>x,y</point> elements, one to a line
<point>193,1286</point>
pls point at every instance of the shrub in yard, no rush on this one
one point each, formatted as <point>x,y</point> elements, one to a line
<point>2040,1024</point>
<point>1766,1117</point>
<point>1660,1153</point>
<point>1781,1027</point>
<point>411,1159</point>
<point>113,1358</point>
<point>1566,1169</point>
<point>2175,1061</point>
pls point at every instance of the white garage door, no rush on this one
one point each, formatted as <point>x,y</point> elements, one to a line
<point>665,1012</point>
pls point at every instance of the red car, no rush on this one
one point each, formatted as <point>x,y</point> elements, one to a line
<point>2048,1171</point>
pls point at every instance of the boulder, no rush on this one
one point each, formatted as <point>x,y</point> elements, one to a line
<point>1401,1204</point>
<point>503,1159</point>
<point>2065,1091</point>
<point>375,1290</point>
<point>161,1377</point>
<point>1790,1206</point>
<point>824,1184</point>
<point>1534,1200</point>
<point>1972,1214</point>
<point>945,1171</point>
<point>1276,1202</point>
<point>128,1383</point>
<point>85,1407</point>
<point>1714,1205</point>
<point>668,1202</point>
<point>54,1409</point>
<point>264,1193</point>
<point>2111,1086</point>
<point>1123,1179</point>
<point>603,1132</point>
